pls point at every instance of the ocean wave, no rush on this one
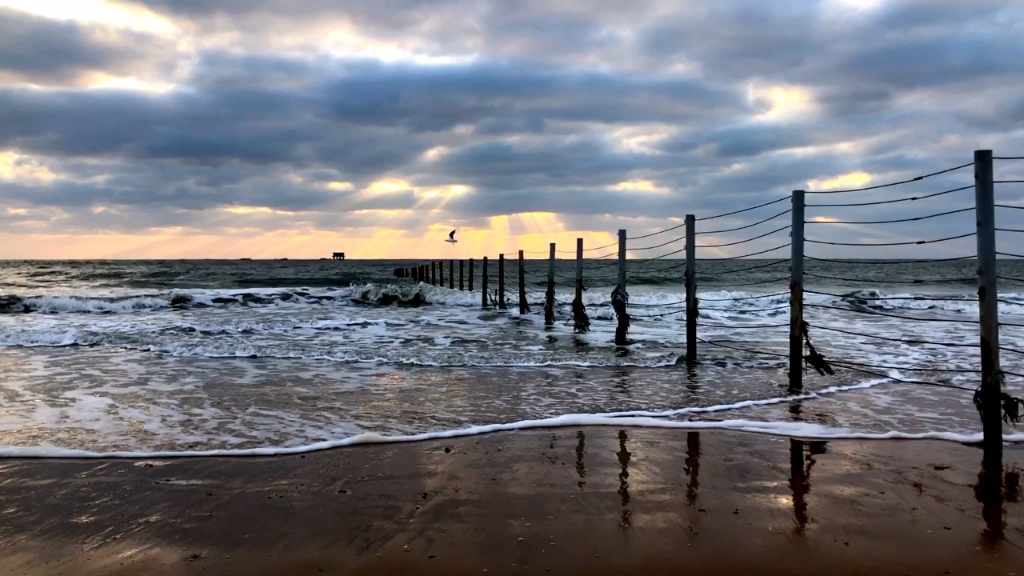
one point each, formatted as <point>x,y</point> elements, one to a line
<point>663,305</point>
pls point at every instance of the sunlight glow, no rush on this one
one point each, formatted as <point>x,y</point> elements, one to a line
<point>387,186</point>
<point>340,185</point>
<point>851,180</point>
<point>21,168</point>
<point>446,192</point>
<point>101,81</point>
<point>783,102</point>
<point>642,185</point>
<point>254,210</point>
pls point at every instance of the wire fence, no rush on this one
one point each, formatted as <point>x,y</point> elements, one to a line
<point>730,290</point>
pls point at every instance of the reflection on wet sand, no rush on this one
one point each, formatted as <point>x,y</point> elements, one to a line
<point>692,467</point>
<point>996,486</point>
<point>800,477</point>
<point>581,449</point>
<point>624,455</point>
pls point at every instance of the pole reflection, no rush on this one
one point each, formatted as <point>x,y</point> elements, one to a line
<point>989,492</point>
<point>798,484</point>
<point>624,456</point>
<point>692,467</point>
<point>581,449</point>
<point>800,477</point>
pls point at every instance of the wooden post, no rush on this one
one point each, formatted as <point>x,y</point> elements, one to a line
<point>691,289</point>
<point>451,274</point>
<point>501,282</point>
<point>440,273</point>
<point>462,283</point>
<point>470,274</point>
<point>523,307</point>
<point>433,273</point>
<point>796,297</point>
<point>991,376</point>
<point>579,269</point>
<point>622,259</point>
<point>549,294</point>
<point>622,316</point>
<point>483,282</point>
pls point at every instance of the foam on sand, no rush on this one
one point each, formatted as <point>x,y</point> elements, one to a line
<point>792,429</point>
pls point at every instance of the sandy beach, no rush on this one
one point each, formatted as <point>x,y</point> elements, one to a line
<point>561,501</point>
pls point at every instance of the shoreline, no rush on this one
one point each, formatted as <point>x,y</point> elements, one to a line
<point>569,500</point>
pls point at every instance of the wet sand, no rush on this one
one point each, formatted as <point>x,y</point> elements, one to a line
<point>565,501</point>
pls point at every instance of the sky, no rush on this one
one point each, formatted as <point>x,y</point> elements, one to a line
<point>295,128</point>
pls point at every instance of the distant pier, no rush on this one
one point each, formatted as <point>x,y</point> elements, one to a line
<point>338,256</point>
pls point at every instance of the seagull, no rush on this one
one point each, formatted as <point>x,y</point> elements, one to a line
<point>451,237</point>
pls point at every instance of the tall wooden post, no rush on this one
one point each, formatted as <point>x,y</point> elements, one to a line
<point>440,273</point>
<point>579,269</point>
<point>433,273</point>
<point>523,307</point>
<point>462,270</point>
<point>501,282</point>
<point>991,376</point>
<point>470,274</point>
<point>621,315</point>
<point>796,297</point>
<point>691,289</point>
<point>451,274</point>
<point>549,294</point>
<point>483,282</point>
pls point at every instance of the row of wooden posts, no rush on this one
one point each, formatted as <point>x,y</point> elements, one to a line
<point>991,382</point>
<point>433,274</point>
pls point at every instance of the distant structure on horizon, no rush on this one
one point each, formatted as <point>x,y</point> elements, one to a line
<point>338,256</point>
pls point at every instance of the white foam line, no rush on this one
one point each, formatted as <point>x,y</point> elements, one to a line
<point>749,403</point>
<point>791,429</point>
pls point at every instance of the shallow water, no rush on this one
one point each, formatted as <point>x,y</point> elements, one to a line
<point>192,356</point>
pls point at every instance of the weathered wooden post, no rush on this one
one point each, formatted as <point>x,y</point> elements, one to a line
<point>691,289</point>
<point>483,282</point>
<point>462,268</point>
<point>501,282</point>
<point>796,297</point>
<point>549,294</point>
<point>440,273</point>
<point>523,306</point>
<point>620,298</point>
<point>451,274</point>
<point>470,274</point>
<point>433,273</point>
<point>581,323</point>
<point>579,269</point>
<point>991,375</point>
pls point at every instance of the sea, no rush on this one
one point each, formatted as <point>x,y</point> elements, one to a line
<point>258,357</point>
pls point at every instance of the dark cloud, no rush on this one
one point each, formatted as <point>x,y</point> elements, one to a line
<point>45,51</point>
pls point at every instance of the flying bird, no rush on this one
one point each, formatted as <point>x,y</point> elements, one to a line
<point>451,237</point>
